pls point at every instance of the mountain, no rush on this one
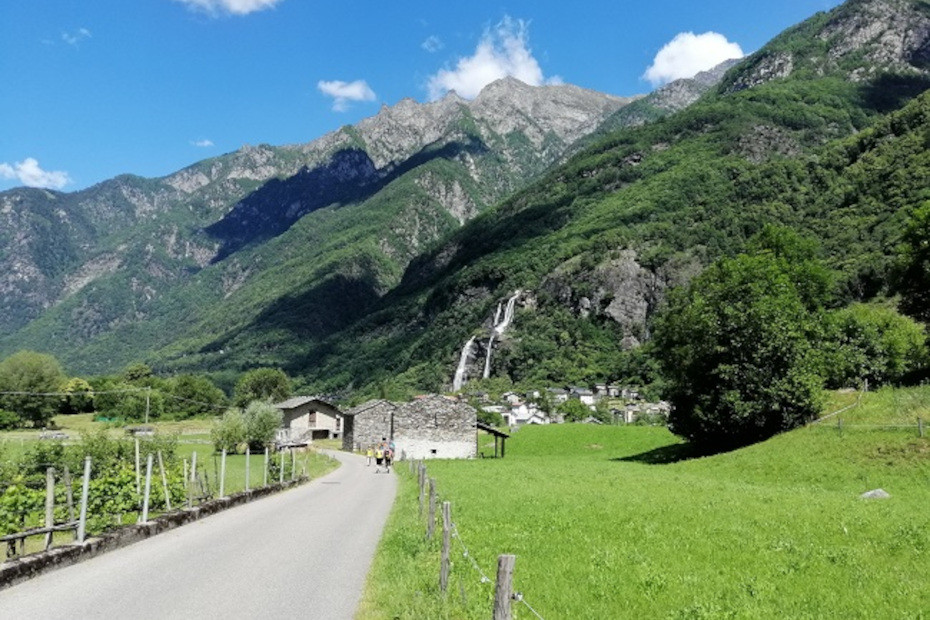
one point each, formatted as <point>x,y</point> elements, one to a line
<point>824,129</point>
<point>102,276</point>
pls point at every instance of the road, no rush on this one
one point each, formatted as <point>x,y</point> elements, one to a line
<point>301,553</point>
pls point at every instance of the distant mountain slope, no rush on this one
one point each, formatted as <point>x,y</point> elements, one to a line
<point>102,276</point>
<point>804,133</point>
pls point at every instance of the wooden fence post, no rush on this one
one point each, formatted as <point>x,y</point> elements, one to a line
<point>194,466</point>
<point>446,540</point>
<point>422,479</point>
<point>281,469</point>
<point>85,487</point>
<point>148,488</point>
<point>223,474</point>
<point>431,525</point>
<point>248,457</point>
<point>164,481</point>
<point>503,589</point>
<point>49,504</point>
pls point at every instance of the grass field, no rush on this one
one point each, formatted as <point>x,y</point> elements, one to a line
<point>619,522</point>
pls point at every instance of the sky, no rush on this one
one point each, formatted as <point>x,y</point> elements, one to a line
<point>96,88</point>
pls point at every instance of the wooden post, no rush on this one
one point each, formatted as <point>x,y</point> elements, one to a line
<point>164,481</point>
<point>293,463</point>
<point>248,457</point>
<point>446,540</point>
<point>422,477</point>
<point>85,487</point>
<point>194,466</point>
<point>431,525</point>
<point>281,469</point>
<point>223,474</point>
<point>503,589</point>
<point>148,489</point>
<point>49,504</point>
<point>138,470</point>
<point>265,477</point>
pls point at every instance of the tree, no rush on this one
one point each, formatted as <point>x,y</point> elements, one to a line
<point>262,384</point>
<point>262,422</point>
<point>78,398</point>
<point>195,395</point>
<point>33,376</point>
<point>229,431</point>
<point>574,410</point>
<point>737,347</point>
<point>913,266</point>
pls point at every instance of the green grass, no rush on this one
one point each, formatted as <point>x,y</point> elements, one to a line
<point>606,523</point>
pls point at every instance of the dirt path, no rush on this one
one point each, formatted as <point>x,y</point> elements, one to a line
<point>301,553</point>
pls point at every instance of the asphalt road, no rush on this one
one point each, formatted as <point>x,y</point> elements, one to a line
<point>301,553</point>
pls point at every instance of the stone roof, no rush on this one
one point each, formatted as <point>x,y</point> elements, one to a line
<point>299,401</point>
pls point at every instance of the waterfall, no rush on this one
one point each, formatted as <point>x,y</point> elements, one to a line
<point>463,361</point>
<point>497,315</point>
<point>487,359</point>
<point>499,327</point>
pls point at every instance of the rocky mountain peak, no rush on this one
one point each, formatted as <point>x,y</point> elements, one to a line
<point>858,40</point>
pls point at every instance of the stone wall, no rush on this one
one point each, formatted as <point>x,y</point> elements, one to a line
<point>428,427</point>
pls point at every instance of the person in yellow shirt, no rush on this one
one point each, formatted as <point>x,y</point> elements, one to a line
<point>369,455</point>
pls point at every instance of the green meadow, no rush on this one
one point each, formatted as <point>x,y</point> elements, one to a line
<point>627,522</point>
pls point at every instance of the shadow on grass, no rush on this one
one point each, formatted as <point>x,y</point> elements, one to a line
<point>667,455</point>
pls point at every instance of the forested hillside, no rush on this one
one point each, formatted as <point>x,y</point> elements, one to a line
<point>823,130</point>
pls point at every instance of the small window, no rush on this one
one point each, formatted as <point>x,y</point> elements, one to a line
<point>433,451</point>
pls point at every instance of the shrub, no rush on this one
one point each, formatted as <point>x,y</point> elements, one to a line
<point>262,384</point>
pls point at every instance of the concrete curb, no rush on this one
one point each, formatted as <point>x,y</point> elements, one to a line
<point>33,565</point>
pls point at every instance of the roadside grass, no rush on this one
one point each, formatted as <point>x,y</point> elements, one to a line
<point>611,522</point>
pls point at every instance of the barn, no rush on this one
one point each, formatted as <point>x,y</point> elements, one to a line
<point>430,426</point>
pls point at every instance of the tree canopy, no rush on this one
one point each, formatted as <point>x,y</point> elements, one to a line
<point>737,346</point>
<point>30,375</point>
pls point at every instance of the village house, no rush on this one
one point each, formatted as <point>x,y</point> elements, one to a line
<point>306,418</point>
<point>430,426</point>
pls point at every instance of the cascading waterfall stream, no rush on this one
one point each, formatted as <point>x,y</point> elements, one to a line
<point>503,317</point>
<point>459,378</point>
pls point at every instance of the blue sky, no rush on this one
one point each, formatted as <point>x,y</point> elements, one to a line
<point>96,88</point>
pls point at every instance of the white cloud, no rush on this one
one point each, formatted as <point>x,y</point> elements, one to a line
<point>345,92</point>
<point>29,173</point>
<point>234,7</point>
<point>202,143</point>
<point>688,54</point>
<point>502,51</point>
<point>432,44</point>
<point>73,38</point>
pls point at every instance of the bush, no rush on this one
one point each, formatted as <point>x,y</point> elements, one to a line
<point>9,420</point>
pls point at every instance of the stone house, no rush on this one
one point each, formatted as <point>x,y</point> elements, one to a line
<point>307,418</point>
<point>430,426</point>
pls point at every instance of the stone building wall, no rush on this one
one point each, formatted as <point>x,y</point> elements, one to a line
<point>428,427</point>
